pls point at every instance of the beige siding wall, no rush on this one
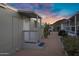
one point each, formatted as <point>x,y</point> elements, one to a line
<point>17,32</point>
<point>10,32</point>
<point>5,32</point>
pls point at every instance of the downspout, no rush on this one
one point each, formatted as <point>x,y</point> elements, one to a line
<point>37,27</point>
<point>75,26</point>
<point>30,29</point>
<point>69,26</point>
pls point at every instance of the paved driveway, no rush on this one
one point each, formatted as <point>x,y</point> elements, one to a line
<point>53,47</point>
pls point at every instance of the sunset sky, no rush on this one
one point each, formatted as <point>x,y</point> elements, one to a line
<point>50,12</point>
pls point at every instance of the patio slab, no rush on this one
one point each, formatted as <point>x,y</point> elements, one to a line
<point>53,47</point>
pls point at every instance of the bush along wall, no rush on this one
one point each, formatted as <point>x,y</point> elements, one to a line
<point>71,45</point>
<point>46,32</point>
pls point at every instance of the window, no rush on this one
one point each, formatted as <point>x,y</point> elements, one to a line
<point>33,24</point>
<point>72,28</point>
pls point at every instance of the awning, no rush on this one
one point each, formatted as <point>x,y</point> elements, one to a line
<point>29,14</point>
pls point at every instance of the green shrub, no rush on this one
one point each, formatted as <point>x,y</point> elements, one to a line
<point>45,31</point>
<point>71,45</point>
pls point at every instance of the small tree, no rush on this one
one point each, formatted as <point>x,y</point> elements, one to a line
<point>46,32</point>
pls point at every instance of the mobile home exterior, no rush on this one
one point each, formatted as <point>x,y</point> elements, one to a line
<point>17,27</point>
<point>57,26</point>
<point>10,30</point>
<point>71,25</point>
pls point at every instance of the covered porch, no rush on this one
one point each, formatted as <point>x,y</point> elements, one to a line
<point>31,28</point>
<point>71,25</point>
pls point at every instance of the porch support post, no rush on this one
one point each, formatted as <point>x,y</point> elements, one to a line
<point>69,26</point>
<point>40,30</point>
<point>30,29</point>
<point>40,24</point>
<point>39,27</point>
<point>75,25</point>
<point>37,23</point>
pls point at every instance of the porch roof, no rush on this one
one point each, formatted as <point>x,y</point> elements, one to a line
<point>29,14</point>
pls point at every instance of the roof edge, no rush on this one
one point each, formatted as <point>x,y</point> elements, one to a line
<point>5,5</point>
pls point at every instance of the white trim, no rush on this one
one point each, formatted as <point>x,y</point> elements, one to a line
<point>4,5</point>
<point>12,8</point>
<point>71,34</point>
<point>3,54</point>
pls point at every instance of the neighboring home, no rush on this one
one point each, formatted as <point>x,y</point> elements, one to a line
<point>16,28</point>
<point>57,26</point>
<point>71,25</point>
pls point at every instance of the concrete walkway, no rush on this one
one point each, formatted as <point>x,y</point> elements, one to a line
<point>53,47</point>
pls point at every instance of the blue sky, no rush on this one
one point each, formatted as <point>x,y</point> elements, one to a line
<point>69,9</point>
<point>58,10</point>
<point>62,9</point>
